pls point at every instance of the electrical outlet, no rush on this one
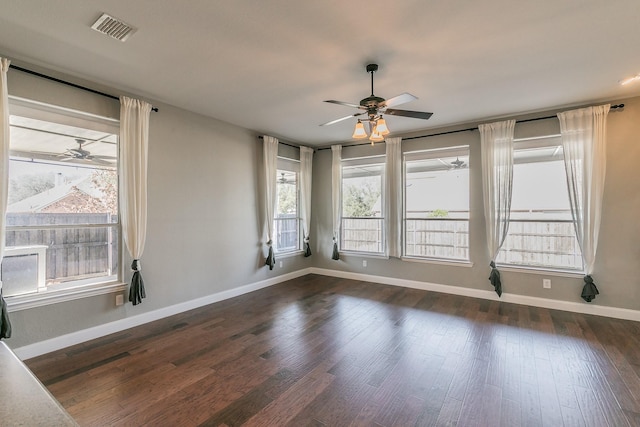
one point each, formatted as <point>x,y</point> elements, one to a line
<point>364,262</point>
<point>280,264</point>
<point>546,283</point>
<point>119,299</point>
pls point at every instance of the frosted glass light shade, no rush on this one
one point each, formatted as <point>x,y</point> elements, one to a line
<point>359,131</point>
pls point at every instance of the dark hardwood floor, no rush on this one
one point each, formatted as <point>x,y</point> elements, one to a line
<point>319,351</point>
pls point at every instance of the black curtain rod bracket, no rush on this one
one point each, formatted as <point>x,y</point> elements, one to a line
<point>64,82</point>
<point>280,142</point>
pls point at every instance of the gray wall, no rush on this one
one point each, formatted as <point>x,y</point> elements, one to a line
<point>205,210</point>
<point>617,271</point>
<point>203,214</point>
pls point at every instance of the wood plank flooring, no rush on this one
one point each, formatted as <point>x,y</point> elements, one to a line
<point>322,351</point>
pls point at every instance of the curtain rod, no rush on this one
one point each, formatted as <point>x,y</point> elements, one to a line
<point>280,142</point>
<point>459,130</point>
<point>64,82</point>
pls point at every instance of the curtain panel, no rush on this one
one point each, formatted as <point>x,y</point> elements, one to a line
<point>496,141</point>
<point>584,142</point>
<point>306,162</point>
<point>393,196</point>
<point>270,159</point>
<point>5,324</point>
<point>336,196</point>
<point>134,144</point>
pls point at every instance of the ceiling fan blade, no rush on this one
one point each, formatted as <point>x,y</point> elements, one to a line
<point>346,104</point>
<point>397,100</point>
<point>341,119</point>
<point>406,113</point>
<point>103,157</point>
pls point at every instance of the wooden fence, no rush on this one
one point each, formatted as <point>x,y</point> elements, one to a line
<point>74,253</point>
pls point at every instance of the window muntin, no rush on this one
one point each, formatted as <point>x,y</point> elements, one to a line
<point>287,218</point>
<point>436,204</point>
<point>362,223</point>
<point>541,231</point>
<point>62,214</point>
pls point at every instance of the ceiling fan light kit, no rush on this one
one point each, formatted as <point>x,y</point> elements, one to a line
<point>374,107</point>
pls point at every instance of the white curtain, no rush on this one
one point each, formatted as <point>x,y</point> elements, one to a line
<point>134,142</point>
<point>306,162</point>
<point>270,158</point>
<point>584,142</point>
<point>393,196</point>
<point>496,141</point>
<point>5,325</point>
<point>336,193</point>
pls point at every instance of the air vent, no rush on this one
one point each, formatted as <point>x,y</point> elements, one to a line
<point>113,27</point>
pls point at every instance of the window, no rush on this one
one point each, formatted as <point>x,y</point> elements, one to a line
<point>62,217</point>
<point>287,218</point>
<point>436,204</point>
<point>362,222</point>
<point>541,231</point>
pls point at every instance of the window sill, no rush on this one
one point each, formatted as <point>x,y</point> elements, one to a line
<point>41,299</point>
<point>364,254</point>
<point>573,274</point>
<point>289,254</point>
<point>449,262</point>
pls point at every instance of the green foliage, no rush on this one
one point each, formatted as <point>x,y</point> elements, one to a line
<point>287,199</point>
<point>439,213</point>
<point>24,186</point>
<point>359,200</point>
<point>107,182</point>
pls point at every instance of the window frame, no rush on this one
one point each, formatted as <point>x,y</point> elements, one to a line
<point>529,143</point>
<point>428,154</point>
<point>288,165</point>
<point>377,160</point>
<point>81,288</point>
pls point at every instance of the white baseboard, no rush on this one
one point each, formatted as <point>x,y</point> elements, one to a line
<point>57,343</point>
<point>53,344</point>
<point>575,307</point>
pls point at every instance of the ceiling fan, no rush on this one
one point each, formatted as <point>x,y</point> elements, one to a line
<point>284,180</point>
<point>82,154</point>
<point>374,107</point>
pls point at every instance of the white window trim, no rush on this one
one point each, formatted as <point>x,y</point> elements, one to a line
<point>546,271</point>
<point>542,141</point>
<point>438,261</point>
<point>458,150</point>
<point>291,165</point>
<point>41,299</point>
<point>366,161</point>
<point>47,112</point>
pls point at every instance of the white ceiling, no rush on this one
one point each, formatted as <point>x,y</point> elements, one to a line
<point>268,65</point>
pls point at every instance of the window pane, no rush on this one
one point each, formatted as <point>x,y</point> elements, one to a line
<point>62,213</point>
<point>287,222</point>
<point>437,207</point>
<point>60,169</point>
<point>541,230</point>
<point>362,196</point>
<point>69,255</point>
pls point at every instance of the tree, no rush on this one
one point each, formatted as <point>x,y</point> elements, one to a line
<point>439,213</point>
<point>287,199</point>
<point>24,186</point>
<point>360,200</point>
<point>107,182</point>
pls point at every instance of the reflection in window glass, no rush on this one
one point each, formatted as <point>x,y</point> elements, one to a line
<point>437,204</point>
<point>362,205</point>
<point>62,213</point>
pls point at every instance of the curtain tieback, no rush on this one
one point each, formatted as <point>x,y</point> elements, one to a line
<point>135,265</point>
<point>270,243</point>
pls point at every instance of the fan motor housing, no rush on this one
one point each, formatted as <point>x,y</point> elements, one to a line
<point>371,101</point>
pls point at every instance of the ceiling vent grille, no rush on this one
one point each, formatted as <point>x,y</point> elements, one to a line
<point>113,27</point>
